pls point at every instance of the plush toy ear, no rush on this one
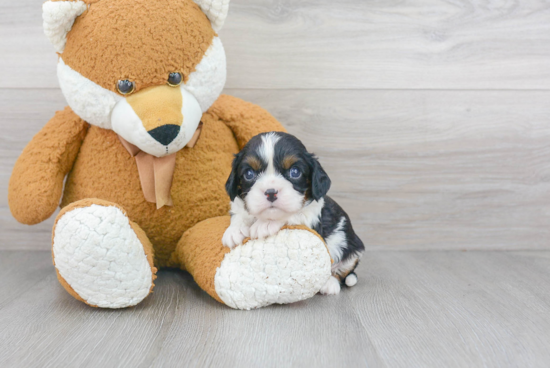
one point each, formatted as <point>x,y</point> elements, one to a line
<point>59,17</point>
<point>215,10</point>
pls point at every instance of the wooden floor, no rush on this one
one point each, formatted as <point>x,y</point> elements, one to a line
<point>409,309</point>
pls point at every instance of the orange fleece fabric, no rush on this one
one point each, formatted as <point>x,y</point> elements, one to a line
<point>121,45</point>
<point>199,251</point>
<point>104,169</point>
<point>36,183</point>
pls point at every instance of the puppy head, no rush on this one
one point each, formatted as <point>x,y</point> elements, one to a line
<point>276,176</point>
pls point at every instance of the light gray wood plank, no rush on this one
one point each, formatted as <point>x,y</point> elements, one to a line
<point>427,44</point>
<point>429,309</point>
<point>414,169</point>
<point>28,59</point>
<point>457,309</point>
<point>20,272</point>
<point>326,44</point>
<point>430,169</point>
<point>44,327</point>
<point>319,332</point>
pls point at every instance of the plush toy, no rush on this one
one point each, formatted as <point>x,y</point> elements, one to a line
<point>140,157</point>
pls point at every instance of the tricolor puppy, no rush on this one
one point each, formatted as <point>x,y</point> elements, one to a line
<point>274,182</point>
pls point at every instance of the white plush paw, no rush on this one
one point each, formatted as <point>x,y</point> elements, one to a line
<point>332,287</point>
<point>288,267</point>
<point>262,229</point>
<point>100,256</point>
<point>234,235</point>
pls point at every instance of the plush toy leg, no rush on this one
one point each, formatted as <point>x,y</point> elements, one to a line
<point>101,257</point>
<point>285,268</point>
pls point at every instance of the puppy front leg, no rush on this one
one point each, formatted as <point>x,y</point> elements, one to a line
<point>240,225</point>
<point>262,228</point>
<point>235,234</point>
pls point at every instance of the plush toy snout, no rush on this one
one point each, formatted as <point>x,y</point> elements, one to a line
<point>159,120</point>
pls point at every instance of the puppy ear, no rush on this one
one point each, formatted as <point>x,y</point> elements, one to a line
<point>320,182</point>
<point>232,184</point>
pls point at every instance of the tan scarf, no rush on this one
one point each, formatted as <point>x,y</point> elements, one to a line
<point>156,173</point>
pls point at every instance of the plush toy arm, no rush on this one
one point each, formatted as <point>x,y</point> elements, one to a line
<point>244,118</point>
<point>36,183</point>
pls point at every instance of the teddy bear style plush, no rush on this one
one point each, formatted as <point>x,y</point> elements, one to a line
<point>146,146</point>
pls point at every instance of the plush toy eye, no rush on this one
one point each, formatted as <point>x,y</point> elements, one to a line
<point>295,173</point>
<point>125,87</point>
<point>174,79</point>
<point>249,175</point>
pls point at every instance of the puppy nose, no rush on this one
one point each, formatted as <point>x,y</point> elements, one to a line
<point>165,134</point>
<point>271,195</point>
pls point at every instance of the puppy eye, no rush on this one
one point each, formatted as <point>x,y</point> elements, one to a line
<point>249,175</point>
<point>174,79</point>
<point>125,87</point>
<point>295,173</point>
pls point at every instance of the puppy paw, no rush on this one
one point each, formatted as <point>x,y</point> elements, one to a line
<point>332,287</point>
<point>262,229</point>
<point>234,235</point>
<point>351,279</point>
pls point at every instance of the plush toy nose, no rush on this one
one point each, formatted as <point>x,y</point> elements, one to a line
<point>165,134</point>
<point>159,108</point>
<point>159,120</point>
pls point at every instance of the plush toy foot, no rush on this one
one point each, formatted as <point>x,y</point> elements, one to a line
<point>101,257</point>
<point>284,268</point>
<point>287,267</point>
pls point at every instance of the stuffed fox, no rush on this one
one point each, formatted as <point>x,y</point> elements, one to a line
<point>139,159</point>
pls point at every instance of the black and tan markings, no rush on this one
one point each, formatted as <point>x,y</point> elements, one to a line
<point>288,152</point>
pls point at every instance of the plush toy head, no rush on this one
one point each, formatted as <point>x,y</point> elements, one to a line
<point>149,80</point>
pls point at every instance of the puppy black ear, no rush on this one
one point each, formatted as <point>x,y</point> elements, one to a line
<point>320,182</point>
<point>232,184</point>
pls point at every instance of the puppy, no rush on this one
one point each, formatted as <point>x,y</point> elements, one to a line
<point>274,182</point>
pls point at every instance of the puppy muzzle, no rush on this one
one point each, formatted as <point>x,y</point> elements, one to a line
<point>159,120</point>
